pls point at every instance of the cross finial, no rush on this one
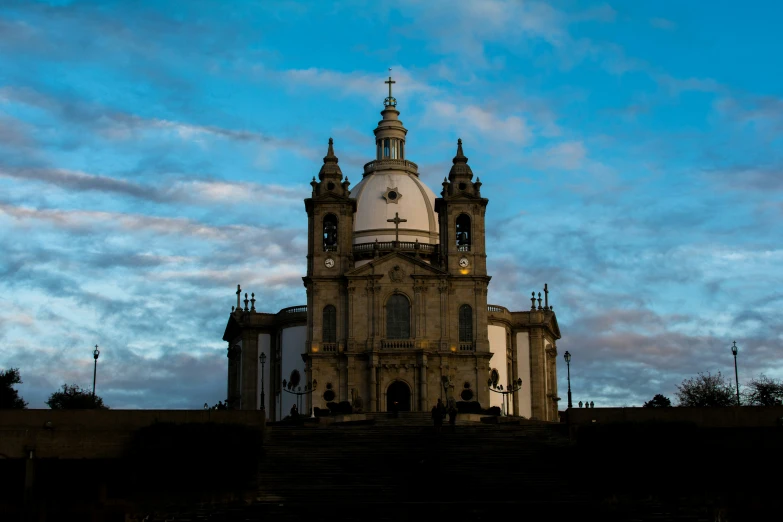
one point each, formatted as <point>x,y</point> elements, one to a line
<point>390,100</point>
<point>546,297</point>
<point>397,220</point>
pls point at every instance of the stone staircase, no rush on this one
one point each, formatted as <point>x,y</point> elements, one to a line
<point>402,469</point>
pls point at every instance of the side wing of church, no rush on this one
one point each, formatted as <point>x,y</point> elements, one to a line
<point>396,303</point>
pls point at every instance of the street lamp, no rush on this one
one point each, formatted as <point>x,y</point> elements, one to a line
<point>262,359</point>
<point>492,384</point>
<point>292,386</point>
<point>567,358</point>
<point>736,377</point>
<point>95,355</point>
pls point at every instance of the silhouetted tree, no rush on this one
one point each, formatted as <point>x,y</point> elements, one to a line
<point>9,397</point>
<point>706,390</point>
<point>659,401</point>
<point>763,391</point>
<point>73,397</point>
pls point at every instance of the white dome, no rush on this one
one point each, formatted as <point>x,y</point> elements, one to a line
<point>376,203</point>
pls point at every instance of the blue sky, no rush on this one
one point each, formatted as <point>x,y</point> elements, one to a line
<point>155,154</point>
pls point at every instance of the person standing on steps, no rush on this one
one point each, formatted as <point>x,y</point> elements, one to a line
<point>453,419</point>
<point>438,412</point>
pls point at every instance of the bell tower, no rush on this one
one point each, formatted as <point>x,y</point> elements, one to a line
<point>330,213</point>
<point>461,212</point>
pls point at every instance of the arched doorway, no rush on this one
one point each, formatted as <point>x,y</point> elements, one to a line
<point>398,392</point>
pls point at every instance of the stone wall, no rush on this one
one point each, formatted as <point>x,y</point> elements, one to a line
<point>734,417</point>
<point>96,434</point>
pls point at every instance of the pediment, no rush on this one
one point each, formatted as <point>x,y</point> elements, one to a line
<point>553,326</point>
<point>386,264</point>
<point>233,329</point>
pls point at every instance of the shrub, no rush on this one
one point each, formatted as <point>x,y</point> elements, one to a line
<point>340,408</point>
<point>468,407</point>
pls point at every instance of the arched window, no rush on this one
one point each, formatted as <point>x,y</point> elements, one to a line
<point>465,324</point>
<point>386,148</point>
<point>330,324</point>
<point>330,232</point>
<point>463,233</point>
<point>398,317</point>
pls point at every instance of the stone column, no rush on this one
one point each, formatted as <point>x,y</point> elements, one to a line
<point>250,369</point>
<point>511,340</point>
<point>423,388</point>
<point>537,375</point>
<point>372,405</point>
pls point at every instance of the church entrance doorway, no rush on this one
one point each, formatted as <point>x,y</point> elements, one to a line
<point>398,392</point>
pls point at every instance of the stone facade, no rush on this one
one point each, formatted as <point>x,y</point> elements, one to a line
<point>397,320</point>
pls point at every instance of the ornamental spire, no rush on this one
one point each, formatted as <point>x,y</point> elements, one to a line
<point>460,157</point>
<point>330,157</point>
<point>460,169</point>
<point>330,167</point>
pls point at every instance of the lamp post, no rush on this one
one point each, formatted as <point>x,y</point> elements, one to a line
<point>95,355</point>
<point>736,377</point>
<point>513,387</point>
<point>262,359</point>
<point>292,386</point>
<point>567,358</point>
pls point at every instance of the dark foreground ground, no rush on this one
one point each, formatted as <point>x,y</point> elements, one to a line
<point>398,469</point>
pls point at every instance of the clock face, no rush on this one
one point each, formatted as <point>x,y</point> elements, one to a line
<point>329,262</point>
<point>464,262</point>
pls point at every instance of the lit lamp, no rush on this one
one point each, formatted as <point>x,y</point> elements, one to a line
<point>567,358</point>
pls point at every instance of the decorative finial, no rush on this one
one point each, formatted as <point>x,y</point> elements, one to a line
<point>239,294</point>
<point>330,157</point>
<point>460,157</point>
<point>539,301</point>
<point>546,297</point>
<point>253,302</point>
<point>390,101</point>
<point>246,300</point>
<point>533,301</point>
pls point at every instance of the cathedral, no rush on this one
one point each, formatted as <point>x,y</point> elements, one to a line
<point>396,303</point>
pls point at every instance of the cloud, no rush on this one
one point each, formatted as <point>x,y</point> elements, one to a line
<point>663,23</point>
<point>480,120</point>
<point>763,114</point>
<point>353,84</point>
<point>117,125</point>
<point>81,181</point>
<point>569,155</point>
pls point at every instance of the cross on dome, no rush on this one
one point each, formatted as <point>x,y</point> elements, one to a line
<point>397,220</point>
<point>390,101</point>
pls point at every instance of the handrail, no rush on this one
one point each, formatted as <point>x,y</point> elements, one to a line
<point>294,310</point>
<point>397,343</point>
<point>398,245</point>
